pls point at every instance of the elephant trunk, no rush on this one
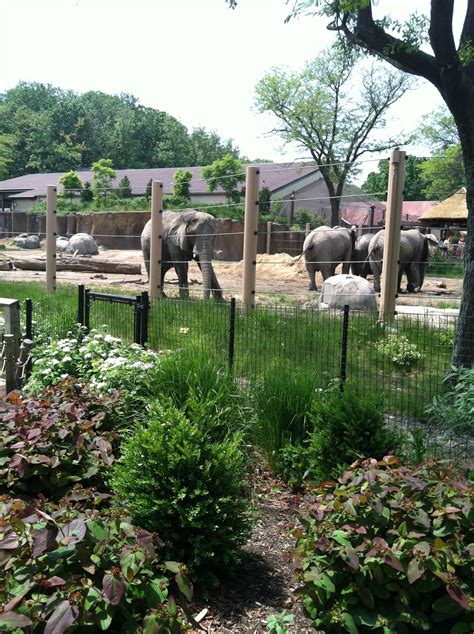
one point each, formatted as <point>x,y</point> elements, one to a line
<point>203,251</point>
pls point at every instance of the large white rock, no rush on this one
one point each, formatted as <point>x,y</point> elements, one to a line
<point>343,289</point>
<point>26,241</point>
<point>83,244</point>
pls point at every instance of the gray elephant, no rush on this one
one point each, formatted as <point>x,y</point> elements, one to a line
<point>360,256</point>
<point>416,249</point>
<point>324,248</point>
<point>187,235</point>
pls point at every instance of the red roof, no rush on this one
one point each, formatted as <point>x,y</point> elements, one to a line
<point>358,213</point>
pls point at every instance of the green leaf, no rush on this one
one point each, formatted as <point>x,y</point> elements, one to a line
<point>185,586</point>
<point>341,537</point>
<point>349,623</point>
<point>367,597</point>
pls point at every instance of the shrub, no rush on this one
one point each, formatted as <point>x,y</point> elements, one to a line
<point>454,409</point>
<point>399,351</point>
<point>62,438</point>
<point>345,426</point>
<point>175,479</point>
<point>389,549</point>
<point>63,568</point>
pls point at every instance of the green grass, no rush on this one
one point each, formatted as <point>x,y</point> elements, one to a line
<point>280,339</point>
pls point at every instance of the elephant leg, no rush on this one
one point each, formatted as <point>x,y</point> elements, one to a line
<point>413,277</point>
<point>345,267</point>
<point>328,270</point>
<point>311,268</point>
<point>146,259</point>
<point>376,268</point>
<point>181,269</point>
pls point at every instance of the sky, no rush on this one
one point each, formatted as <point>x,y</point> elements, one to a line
<point>197,60</point>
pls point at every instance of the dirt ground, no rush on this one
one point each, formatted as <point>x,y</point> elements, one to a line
<point>279,278</point>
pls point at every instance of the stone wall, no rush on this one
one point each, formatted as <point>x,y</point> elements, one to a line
<point>122,230</point>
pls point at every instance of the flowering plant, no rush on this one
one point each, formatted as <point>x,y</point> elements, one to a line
<point>398,350</point>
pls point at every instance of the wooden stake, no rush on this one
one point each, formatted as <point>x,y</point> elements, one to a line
<point>156,245</point>
<point>250,236</point>
<point>51,234</point>
<point>391,251</point>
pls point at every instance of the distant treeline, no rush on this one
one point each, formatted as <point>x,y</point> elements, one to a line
<point>46,129</point>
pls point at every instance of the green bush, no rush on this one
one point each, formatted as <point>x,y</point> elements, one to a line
<point>64,569</point>
<point>346,426</point>
<point>454,410</point>
<point>398,350</point>
<point>46,445</point>
<point>389,549</point>
<point>174,478</point>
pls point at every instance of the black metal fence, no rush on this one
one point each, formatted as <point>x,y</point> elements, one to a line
<point>405,361</point>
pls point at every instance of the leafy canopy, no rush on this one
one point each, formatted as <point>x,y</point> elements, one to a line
<point>226,173</point>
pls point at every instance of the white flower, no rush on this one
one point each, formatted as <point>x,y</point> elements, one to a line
<point>66,359</point>
<point>46,371</point>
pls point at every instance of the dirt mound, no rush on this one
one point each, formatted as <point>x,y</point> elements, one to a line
<point>279,266</point>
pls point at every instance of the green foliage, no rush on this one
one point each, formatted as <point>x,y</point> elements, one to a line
<point>264,199</point>
<point>47,129</point>
<point>440,266</point>
<point>376,183</point>
<point>103,176</point>
<point>388,549</point>
<point>124,189</point>
<point>227,173</point>
<point>277,622</point>
<point>454,409</point>
<point>71,183</point>
<point>181,185</point>
<point>66,567</point>
<point>63,437</point>
<point>397,350</point>
<point>282,400</point>
<point>87,194</point>
<point>304,217</point>
<point>148,189</point>
<point>443,174</point>
<point>176,479</point>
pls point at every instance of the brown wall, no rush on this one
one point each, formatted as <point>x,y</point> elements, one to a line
<point>121,230</point>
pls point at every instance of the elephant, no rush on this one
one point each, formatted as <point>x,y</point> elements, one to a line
<point>324,248</point>
<point>83,244</point>
<point>187,235</point>
<point>360,256</point>
<point>416,249</point>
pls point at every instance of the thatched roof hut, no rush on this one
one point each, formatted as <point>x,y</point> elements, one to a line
<point>452,211</point>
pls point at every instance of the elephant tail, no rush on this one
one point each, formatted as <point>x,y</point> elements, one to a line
<point>425,253</point>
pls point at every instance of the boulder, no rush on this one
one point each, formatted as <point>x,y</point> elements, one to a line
<point>25,241</point>
<point>343,289</point>
<point>61,243</point>
<point>82,244</point>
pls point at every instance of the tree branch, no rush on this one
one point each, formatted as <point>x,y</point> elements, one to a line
<point>372,37</point>
<point>441,32</point>
<point>468,26</point>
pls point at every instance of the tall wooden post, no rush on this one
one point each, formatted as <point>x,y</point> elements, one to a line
<point>391,250</point>
<point>156,239</point>
<point>250,236</point>
<point>51,235</point>
<point>269,237</point>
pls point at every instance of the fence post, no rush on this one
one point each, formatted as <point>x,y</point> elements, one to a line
<point>145,302</point>
<point>231,333</point>
<point>307,229</point>
<point>80,304</point>
<point>269,236</point>
<point>87,310</point>
<point>137,319</point>
<point>51,233</point>
<point>345,332</point>
<point>9,362</point>
<point>23,363</point>
<point>391,251</point>
<point>156,239</point>
<point>28,319</point>
<point>250,236</point>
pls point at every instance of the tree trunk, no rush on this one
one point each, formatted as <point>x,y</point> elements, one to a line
<point>78,264</point>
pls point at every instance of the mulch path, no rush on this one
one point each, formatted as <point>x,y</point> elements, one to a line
<point>264,582</point>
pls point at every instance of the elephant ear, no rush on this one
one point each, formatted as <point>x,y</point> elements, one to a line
<point>433,244</point>
<point>177,232</point>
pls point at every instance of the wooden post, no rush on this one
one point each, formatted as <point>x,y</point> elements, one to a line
<point>156,246</point>
<point>269,236</point>
<point>51,234</point>
<point>250,236</point>
<point>9,363</point>
<point>391,251</point>
<point>307,230</point>
<point>11,317</point>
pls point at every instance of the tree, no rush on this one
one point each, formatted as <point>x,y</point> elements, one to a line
<point>71,183</point>
<point>87,194</point>
<point>103,176</point>
<point>148,189</point>
<point>181,185</point>
<point>207,147</point>
<point>377,182</point>
<point>6,142</point>
<point>449,67</point>
<point>226,173</point>
<point>124,189</point>
<point>326,111</point>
